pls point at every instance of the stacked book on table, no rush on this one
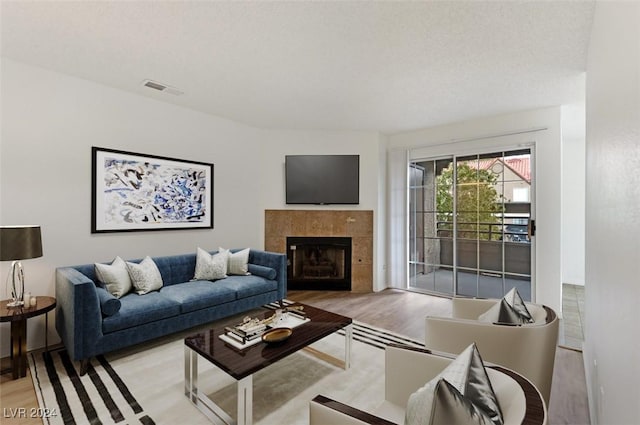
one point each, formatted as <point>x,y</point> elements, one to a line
<point>246,332</point>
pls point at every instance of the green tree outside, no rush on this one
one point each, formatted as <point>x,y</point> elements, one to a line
<point>479,203</point>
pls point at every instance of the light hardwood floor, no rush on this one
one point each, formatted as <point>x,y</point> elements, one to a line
<point>17,394</point>
<point>572,323</point>
<point>399,311</point>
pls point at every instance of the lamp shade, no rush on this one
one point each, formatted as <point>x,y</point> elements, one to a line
<point>20,242</point>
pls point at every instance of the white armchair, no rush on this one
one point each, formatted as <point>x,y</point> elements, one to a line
<point>408,369</point>
<point>527,349</point>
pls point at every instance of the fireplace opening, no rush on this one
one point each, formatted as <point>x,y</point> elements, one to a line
<point>319,263</point>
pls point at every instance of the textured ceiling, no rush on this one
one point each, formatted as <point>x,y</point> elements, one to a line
<point>380,66</point>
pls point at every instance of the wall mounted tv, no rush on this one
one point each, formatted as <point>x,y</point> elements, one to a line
<point>322,179</point>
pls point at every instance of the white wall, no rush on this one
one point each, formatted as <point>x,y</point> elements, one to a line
<point>51,120</point>
<point>573,192</point>
<point>454,138</point>
<point>612,289</point>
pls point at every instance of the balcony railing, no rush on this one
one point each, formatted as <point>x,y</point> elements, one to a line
<point>484,231</point>
<point>492,247</point>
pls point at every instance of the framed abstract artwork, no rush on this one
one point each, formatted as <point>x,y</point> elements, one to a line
<point>138,192</point>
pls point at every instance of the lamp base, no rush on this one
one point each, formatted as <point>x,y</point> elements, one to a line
<point>16,277</point>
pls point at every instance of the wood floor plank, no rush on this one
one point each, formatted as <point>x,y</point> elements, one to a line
<point>569,402</point>
<point>18,398</point>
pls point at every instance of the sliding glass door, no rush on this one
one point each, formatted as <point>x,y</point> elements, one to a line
<point>470,222</point>
<point>429,238</point>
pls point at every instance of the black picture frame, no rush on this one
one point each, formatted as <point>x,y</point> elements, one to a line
<point>140,192</point>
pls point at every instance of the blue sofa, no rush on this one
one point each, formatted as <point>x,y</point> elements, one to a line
<point>181,303</point>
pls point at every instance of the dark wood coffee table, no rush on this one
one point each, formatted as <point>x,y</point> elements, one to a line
<point>242,364</point>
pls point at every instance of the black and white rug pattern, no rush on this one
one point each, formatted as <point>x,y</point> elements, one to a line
<point>99,397</point>
<point>103,396</point>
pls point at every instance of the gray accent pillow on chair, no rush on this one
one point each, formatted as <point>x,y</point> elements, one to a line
<point>451,407</point>
<point>469,377</point>
<point>510,309</point>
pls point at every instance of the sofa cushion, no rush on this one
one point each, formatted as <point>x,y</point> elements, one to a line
<point>210,267</point>
<point>109,305</point>
<point>176,268</point>
<point>114,277</point>
<point>145,276</point>
<point>247,286</point>
<point>238,262</point>
<point>140,309</point>
<point>198,294</point>
<point>262,271</point>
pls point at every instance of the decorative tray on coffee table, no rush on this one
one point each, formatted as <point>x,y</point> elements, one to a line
<point>274,328</point>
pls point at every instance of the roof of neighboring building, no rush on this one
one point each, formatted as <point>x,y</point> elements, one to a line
<point>521,165</point>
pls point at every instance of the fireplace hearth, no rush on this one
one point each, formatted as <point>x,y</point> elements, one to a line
<point>318,262</point>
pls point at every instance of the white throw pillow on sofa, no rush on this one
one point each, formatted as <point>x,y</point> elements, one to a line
<point>145,276</point>
<point>210,267</point>
<point>115,277</point>
<point>238,262</point>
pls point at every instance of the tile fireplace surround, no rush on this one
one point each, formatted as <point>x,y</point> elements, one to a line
<point>356,224</point>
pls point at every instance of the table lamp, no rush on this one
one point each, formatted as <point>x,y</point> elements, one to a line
<point>18,243</point>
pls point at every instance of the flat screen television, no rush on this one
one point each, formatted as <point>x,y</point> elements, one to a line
<point>322,179</point>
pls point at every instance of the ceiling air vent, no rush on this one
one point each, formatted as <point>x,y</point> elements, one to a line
<point>162,87</point>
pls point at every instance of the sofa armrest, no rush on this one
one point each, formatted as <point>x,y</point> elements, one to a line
<point>323,410</point>
<point>276,261</point>
<point>78,315</point>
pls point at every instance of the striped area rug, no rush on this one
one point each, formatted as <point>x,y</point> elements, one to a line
<point>146,386</point>
<point>101,396</point>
